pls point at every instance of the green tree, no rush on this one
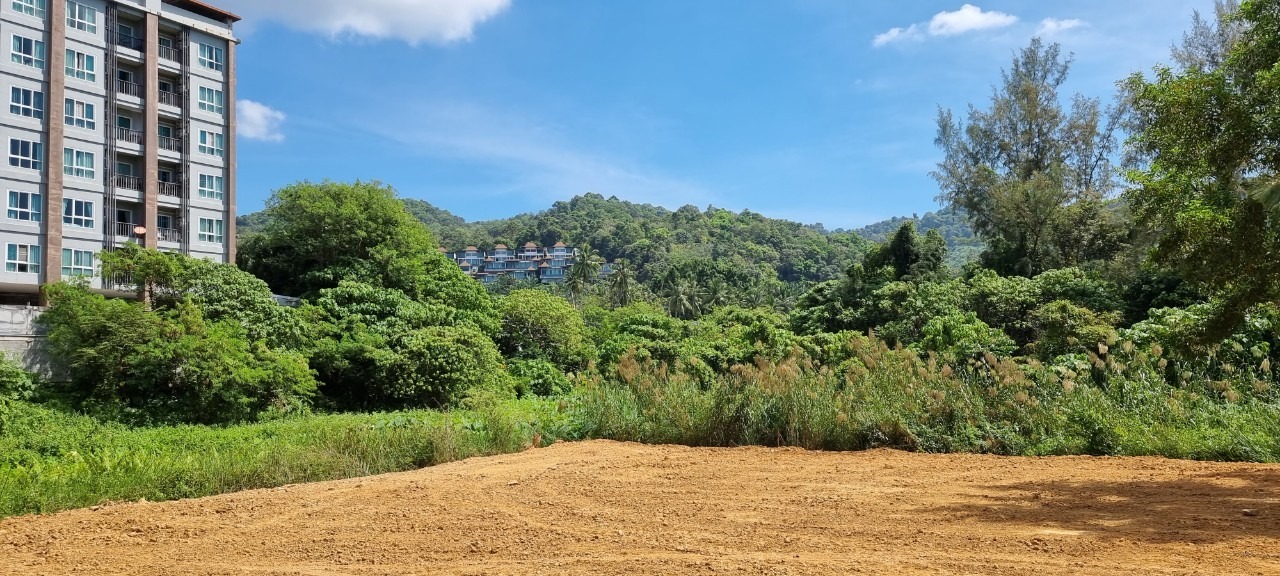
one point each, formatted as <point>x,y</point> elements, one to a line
<point>585,270</point>
<point>169,365</point>
<point>537,325</point>
<point>684,299</point>
<point>318,234</point>
<point>1014,168</point>
<point>622,283</point>
<point>1212,140</point>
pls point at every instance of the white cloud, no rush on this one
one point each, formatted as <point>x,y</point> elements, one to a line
<point>968,18</point>
<point>896,34</point>
<point>1051,26</point>
<point>414,21</point>
<point>257,121</point>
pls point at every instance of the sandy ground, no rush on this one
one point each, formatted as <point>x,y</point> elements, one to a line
<point>605,508</point>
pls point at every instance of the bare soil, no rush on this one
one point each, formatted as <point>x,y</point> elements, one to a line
<point>606,508</point>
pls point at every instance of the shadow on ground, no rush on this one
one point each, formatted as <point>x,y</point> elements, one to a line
<point>1198,509</point>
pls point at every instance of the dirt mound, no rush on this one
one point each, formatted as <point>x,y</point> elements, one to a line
<point>604,508</point>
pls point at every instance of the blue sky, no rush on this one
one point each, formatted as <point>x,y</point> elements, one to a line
<point>811,110</point>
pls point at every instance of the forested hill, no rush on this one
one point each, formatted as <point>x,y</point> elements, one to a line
<point>657,240</point>
<point>962,245</point>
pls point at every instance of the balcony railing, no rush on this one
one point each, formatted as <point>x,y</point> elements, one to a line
<point>131,136</point>
<point>170,234</point>
<point>171,53</point>
<point>122,282</point>
<point>128,182</point>
<point>124,229</point>
<point>131,42</point>
<point>170,99</point>
<point>129,88</point>
<point>172,189</point>
<point>170,143</point>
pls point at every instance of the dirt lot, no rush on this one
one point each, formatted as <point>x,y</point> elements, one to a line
<point>604,508</point>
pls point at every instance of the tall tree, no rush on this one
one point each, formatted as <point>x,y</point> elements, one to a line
<point>585,270</point>
<point>1213,140</point>
<point>1016,166</point>
<point>622,283</point>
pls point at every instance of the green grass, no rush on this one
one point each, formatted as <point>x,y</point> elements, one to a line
<point>52,461</point>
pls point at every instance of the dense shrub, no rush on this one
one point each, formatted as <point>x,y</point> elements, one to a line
<point>538,377</point>
<point>167,366</point>
<point>539,325</point>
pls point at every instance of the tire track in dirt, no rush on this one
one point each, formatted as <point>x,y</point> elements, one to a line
<point>606,508</point>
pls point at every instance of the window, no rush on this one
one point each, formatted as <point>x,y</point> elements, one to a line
<point>78,213</point>
<point>82,17</point>
<point>211,57</point>
<point>210,186</point>
<point>28,103</point>
<point>211,100</point>
<point>80,114</point>
<point>165,222</point>
<point>28,52</point>
<point>24,206</point>
<point>210,143</point>
<point>80,65</point>
<point>23,258</point>
<point>77,262</point>
<point>26,154</point>
<point>210,231</point>
<point>29,7</point>
<point>78,163</point>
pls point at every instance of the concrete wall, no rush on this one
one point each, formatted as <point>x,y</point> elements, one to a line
<point>22,340</point>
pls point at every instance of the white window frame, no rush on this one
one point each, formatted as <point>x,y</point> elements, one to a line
<point>35,8</point>
<point>34,212</point>
<point>211,187</point>
<point>14,258</point>
<point>78,213</point>
<point>17,52</point>
<point>26,103</point>
<point>79,114</point>
<point>34,158</point>
<point>211,231</point>
<point>212,143</point>
<point>81,66</point>
<point>82,17</point>
<point>79,163</point>
<point>77,263</point>
<point>211,57</point>
<point>214,102</point>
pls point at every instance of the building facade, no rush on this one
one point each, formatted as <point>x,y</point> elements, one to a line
<point>120,127</point>
<point>529,262</point>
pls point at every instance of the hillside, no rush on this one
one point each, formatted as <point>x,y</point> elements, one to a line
<point>738,248</point>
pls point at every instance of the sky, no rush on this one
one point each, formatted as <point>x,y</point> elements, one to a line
<point>819,111</point>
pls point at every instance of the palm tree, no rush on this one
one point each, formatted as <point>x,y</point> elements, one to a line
<point>622,282</point>
<point>684,299</point>
<point>585,269</point>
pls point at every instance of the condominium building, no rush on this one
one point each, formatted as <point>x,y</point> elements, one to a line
<point>528,263</point>
<point>120,127</point>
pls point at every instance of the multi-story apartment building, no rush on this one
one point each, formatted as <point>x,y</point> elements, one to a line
<point>530,262</point>
<point>120,127</point>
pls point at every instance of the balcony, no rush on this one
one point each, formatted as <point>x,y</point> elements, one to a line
<point>128,182</point>
<point>171,189</point>
<point>131,42</point>
<point>170,99</point>
<point>125,229</point>
<point>130,88</point>
<point>170,234</point>
<point>171,53</point>
<point>122,282</point>
<point>170,143</point>
<point>130,136</point>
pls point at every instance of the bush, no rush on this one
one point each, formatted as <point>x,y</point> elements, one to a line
<point>173,365</point>
<point>539,377</point>
<point>15,385</point>
<point>537,325</point>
